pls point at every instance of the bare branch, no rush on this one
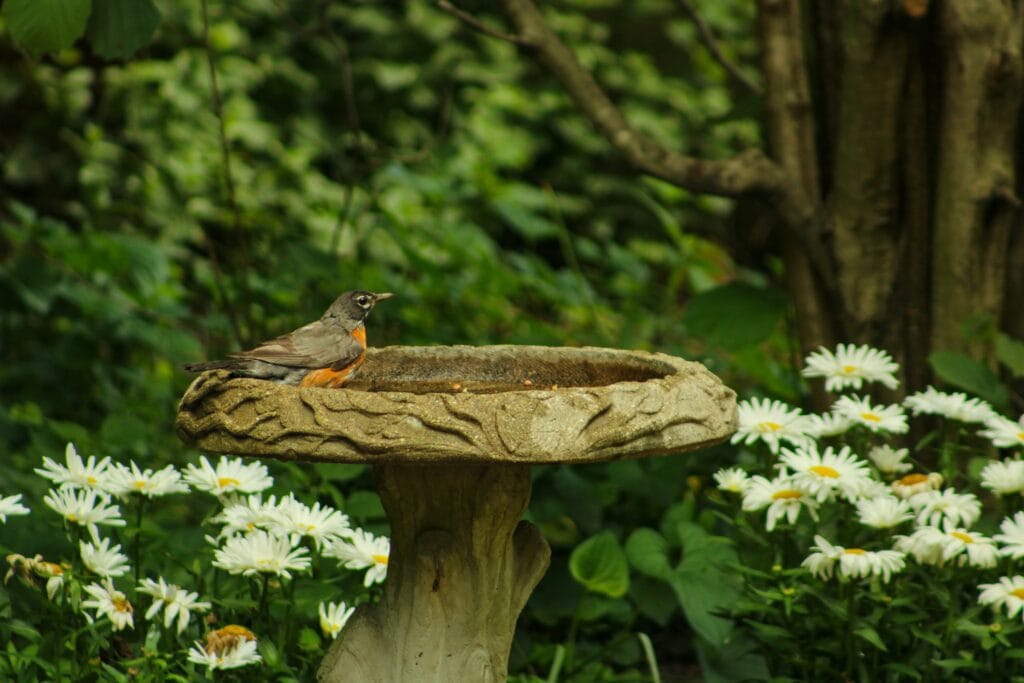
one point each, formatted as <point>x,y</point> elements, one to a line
<point>750,172</point>
<point>711,43</point>
<point>477,25</point>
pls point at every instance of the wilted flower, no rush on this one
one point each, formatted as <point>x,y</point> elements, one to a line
<point>228,648</point>
<point>914,483</point>
<point>111,603</point>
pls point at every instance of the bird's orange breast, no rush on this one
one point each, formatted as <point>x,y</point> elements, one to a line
<point>328,378</point>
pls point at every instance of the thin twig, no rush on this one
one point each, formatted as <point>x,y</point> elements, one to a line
<point>218,110</point>
<point>711,43</point>
<point>477,25</point>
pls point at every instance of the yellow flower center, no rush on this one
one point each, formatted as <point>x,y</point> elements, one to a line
<point>849,369</point>
<point>912,479</point>
<point>825,471</point>
<point>766,427</point>
<point>91,480</point>
<point>224,482</point>
<point>854,551</point>
<point>139,484</point>
<point>962,536</point>
<point>122,605</point>
<point>870,417</point>
<point>380,559</point>
<point>1020,435</point>
<point>786,494</point>
<point>1018,593</point>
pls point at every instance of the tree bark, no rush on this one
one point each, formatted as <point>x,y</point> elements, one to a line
<point>462,566</point>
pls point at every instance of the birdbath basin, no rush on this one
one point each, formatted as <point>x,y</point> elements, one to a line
<point>451,433</point>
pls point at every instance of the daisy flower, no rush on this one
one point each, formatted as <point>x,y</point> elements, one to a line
<point>827,424</point>
<point>1012,538</point>
<point>889,460</point>
<point>874,489</point>
<point>825,474</point>
<point>261,552</point>
<point>781,496</point>
<point>851,366</point>
<point>1003,432</point>
<point>174,600</point>
<point>123,481</point>
<point>883,512</point>
<point>1008,593</point>
<point>229,651</point>
<point>933,507</point>
<point>242,515</point>
<point>771,422</point>
<point>955,406</point>
<point>88,474</point>
<point>876,418</point>
<point>914,483</point>
<point>87,507</point>
<point>11,505</point>
<point>103,560</point>
<point>1003,477</point>
<point>732,479</point>
<point>109,602</point>
<point>363,550</point>
<point>333,617</point>
<point>229,476</point>
<point>320,524</point>
<point>854,563</point>
<point>931,545</point>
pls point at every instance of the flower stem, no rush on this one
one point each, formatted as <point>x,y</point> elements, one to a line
<point>137,541</point>
<point>851,617</point>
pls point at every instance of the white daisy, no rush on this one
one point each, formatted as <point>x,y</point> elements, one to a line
<point>242,515</point>
<point>732,479</point>
<point>174,600</point>
<point>319,523</point>
<point>876,418</point>
<point>1003,432</point>
<point>261,552</point>
<point>230,476</point>
<point>851,366</point>
<point>771,422</point>
<point>1012,538</point>
<point>874,488</point>
<point>825,474</point>
<point>11,505</point>
<point>931,545</point>
<point>781,496</point>
<point>933,507</point>
<point>889,460</point>
<point>827,424</point>
<point>914,483</point>
<point>883,512</point>
<point>854,563</point>
<point>1008,593</point>
<point>111,603</point>
<point>87,507</point>
<point>226,653</point>
<point>123,481</point>
<point>333,617</point>
<point>103,560</point>
<point>89,474</point>
<point>955,406</point>
<point>363,550</point>
<point>1003,477</point>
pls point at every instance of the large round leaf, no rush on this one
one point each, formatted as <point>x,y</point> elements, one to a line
<point>46,25</point>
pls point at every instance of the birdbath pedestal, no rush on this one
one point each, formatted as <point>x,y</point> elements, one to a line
<point>451,433</point>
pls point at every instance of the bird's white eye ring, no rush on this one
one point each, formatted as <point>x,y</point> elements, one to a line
<point>363,301</point>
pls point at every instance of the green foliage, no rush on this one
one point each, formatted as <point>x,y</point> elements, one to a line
<point>46,25</point>
<point>599,565</point>
<point>971,375</point>
<point>736,316</point>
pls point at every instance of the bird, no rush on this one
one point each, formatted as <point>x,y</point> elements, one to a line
<point>323,353</point>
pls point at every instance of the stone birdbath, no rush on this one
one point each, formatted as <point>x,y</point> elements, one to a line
<point>451,433</point>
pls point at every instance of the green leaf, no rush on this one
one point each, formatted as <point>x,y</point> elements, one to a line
<point>647,551</point>
<point>970,375</point>
<point>735,315</point>
<point>871,635</point>
<point>599,564</point>
<point>705,584</point>
<point>1010,353</point>
<point>46,25</point>
<point>117,28</point>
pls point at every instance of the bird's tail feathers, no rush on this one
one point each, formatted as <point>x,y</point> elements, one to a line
<point>210,365</point>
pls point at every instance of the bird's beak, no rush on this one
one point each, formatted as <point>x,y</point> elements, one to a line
<point>383,295</point>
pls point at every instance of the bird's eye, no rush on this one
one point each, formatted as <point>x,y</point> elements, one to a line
<point>363,301</point>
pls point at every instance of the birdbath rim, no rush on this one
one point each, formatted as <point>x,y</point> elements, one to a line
<point>485,404</point>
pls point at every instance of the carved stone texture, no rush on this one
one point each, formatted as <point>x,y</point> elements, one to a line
<point>510,404</point>
<point>451,432</point>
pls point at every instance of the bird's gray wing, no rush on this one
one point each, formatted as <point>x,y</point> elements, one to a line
<point>315,345</point>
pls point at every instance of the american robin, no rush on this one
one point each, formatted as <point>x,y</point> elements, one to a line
<point>321,354</point>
